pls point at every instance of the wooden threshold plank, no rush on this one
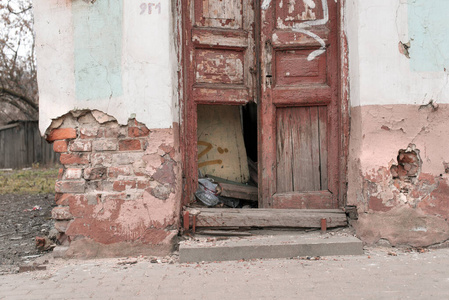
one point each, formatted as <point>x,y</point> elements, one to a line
<point>215,217</point>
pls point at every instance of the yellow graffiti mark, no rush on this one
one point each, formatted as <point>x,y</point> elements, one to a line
<point>210,162</point>
<point>204,152</point>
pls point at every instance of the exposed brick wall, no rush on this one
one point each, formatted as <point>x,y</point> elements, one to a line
<point>118,183</point>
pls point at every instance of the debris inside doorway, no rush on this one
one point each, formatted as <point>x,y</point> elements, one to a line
<point>227,156</point>
<point>215,191</point>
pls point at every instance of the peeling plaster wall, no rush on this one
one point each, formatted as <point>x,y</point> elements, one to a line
<point>108,87</point>
<point>112,55</point>
<point>119,185</point>
<point>399,97</point>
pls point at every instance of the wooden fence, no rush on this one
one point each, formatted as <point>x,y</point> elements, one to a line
<point>21,146</point>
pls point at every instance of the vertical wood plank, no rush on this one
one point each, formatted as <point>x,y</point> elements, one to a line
<point>2,149</point>
<point>306,172</point>
<point>22,147</point>
<point>322,124</point>
<point>284,151</point>
<point>315,148</point>
<point>301,143</point>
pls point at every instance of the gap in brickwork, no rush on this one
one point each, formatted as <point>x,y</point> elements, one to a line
<point>409,164</point>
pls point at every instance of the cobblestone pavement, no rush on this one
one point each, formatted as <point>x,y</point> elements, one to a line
<point>379,274</point>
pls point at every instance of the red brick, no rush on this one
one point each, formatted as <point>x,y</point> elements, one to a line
<point>114,172</point>
<point>165,174</point>
<point>61,213</point>
<point>74,159</point>
<point>61,134</point>
<point>73,173</point>
<point>93,199</point>
<point>63,199</point>
<point>90,133</point>
<point>60,146</point>
<point>95,173</point>
<point>81,146</point>
<point>60,173</point>
<point>111,132</point>
<point>142,184</point>
<point>129,145</point>
<point>78,206</point>
<point>121,185</point>
<point>105,145</point>
<point>100,159</point>
<point>168,150</point>
<point>133,122</point>
<point>114,197</point>
<point>138,131</point>
<point>77,186</point>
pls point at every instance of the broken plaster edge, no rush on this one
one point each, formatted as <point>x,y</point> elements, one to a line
<point>47,124</point>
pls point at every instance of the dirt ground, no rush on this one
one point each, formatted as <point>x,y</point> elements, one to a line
<point>19,225</point>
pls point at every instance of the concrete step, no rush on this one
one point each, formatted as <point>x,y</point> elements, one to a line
<point>274,245</point>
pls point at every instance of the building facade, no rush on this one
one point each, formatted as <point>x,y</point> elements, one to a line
<point>338,104</point>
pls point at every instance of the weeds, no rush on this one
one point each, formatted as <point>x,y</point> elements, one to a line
<point>29,181</point>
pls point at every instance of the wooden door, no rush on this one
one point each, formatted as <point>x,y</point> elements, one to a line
<point>219,61</point>
<point>299,136</point>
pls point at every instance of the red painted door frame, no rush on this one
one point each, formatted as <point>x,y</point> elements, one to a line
<point>189,116</point>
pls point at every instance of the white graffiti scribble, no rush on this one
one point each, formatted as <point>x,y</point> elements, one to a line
<point>302,28</point>
<point>265,4</point>
<point>318,52</point>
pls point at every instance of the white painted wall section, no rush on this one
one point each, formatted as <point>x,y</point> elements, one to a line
<point>137,80</point>
<point>379,73</point>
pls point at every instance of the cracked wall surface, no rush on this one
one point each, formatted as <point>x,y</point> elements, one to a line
<point>397,176</point>
<point>379,73</point>
<point>106,55</point>
<point>119,185</point>
<point>399,95</point>
<point>119,188</point>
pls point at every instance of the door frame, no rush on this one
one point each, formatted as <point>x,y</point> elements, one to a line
<point>188,114</point>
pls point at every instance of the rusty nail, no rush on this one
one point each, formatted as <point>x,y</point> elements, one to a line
<point>323,225</point>
<point>186,221</point>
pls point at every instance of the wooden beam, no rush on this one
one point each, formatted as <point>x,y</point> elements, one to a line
<point>293,218</point>
<point>246,192</point>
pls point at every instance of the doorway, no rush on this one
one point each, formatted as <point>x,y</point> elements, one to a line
<point>272,68</point>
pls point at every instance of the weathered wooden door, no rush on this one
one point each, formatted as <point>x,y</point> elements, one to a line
<point>299,133</point>
<point>220,64</point>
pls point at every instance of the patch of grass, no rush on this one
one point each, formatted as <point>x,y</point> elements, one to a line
<point>30,181</point>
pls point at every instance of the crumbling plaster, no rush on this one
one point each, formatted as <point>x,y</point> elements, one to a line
<point>147,67</point>
<point>378,134</point>
<point>119,184</point>
<point>395,105</point>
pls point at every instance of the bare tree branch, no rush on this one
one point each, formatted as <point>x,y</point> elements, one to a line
<point>29,115</point>
<point>19,96</point>
<point>18,80</point>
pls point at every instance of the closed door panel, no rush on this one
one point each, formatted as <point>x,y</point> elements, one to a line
<point>299,105</point>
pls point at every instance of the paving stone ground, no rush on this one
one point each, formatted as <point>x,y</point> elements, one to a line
<point>381,273</point>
